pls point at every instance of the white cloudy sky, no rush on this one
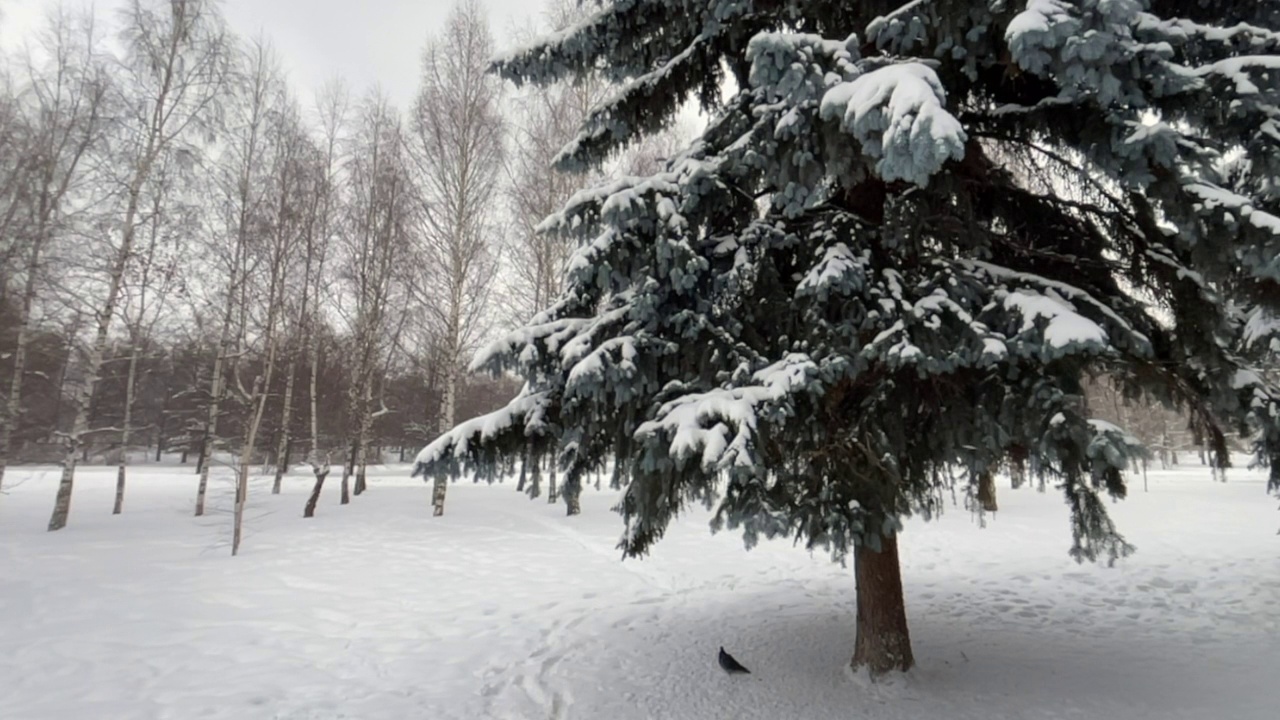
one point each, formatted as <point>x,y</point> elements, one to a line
<point>365,41</point>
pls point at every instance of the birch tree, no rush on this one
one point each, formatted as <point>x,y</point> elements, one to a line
<point>65,113</point>
<point>380,225</point>
<point>458,136</point>
<point>254,91</point>
<point>145,289</point>
<point>282,229</point>
<point>543,121</point>
<point>331,108</point>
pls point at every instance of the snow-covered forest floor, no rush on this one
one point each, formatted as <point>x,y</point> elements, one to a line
<point>504,608</point>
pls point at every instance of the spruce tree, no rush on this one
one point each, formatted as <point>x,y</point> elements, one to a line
<point>908,234</point>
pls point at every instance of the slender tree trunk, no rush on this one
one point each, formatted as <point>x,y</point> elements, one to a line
<point>282,450</point>
<point>524,472</point>
<point>348,464</point>
<point>573,498</point>
<point>987,492</point>
<point>366,426</point>
<point>160,430</point>
<point>62,374</point>
<point>216,392</point>
<point>535,478</point>
<point>314,498</point>
<point>260,386</point>
<point>553,492</point>
<point>88,387</point>
<point>440,486</point>
<point>883,643</point>
<point>13,404</point>
<point>1016,459</point>
<point>124,431</point>
<point>359,468</point>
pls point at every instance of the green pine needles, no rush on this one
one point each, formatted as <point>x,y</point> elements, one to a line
<point>908,234</point>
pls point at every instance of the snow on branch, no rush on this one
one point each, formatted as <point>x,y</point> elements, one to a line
<point>1262,327</point>
<point>1237,70</point>
<point>1066,296</point>
<point>457,444</point>
<point>1212,197</point>
<point>1178,29</point>
<point>1043,25</point>
<point>718,427</point>
<point>1065,327</point>
<point>898,115</point>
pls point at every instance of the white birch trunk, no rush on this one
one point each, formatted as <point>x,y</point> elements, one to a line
<point>86,389</point>
<point>118,507</point>
<point>440,486</point>
<point>211,422</point>
<point>282,449</point>
<point>366,427</point>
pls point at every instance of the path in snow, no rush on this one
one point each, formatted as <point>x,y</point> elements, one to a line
<point>504,608</point>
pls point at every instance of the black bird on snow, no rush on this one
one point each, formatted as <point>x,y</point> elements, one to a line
<point>731,666</point>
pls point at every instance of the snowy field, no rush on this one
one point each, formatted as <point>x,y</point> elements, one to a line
<point>506,609</point>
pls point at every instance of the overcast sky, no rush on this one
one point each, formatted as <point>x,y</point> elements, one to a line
<point>364,41</point>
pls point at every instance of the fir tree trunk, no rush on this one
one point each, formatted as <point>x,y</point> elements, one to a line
<point>883,643</point>
<point>552,489</point>
<point>1016,459</point>
<point>573,498</point>
<point>124,430</point>
<point>535,478</point>
<point>524,470</point>
<point>987,492</point>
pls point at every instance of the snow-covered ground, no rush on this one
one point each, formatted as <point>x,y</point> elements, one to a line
<point>504,608</point>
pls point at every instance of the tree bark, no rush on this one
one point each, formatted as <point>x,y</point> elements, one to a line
<point>535,478</point>
<point>1016,460</point>
<point>987,492</point>
<point>211,422</point>
<point>13,406</point>
<point>883,644</point>
<point>348,464</point>
<point>573,498</point>
<point>361,459</point>
<point>124,430</point>
<point>314,498</point>
<point>259,396</point>
<point>440,486</point>
<point>282,450</point>
<point>553,491</point>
